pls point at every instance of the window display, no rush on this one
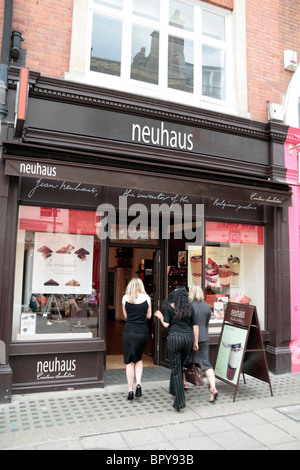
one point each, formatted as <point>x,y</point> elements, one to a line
<point>234,267</point>
<point>230,267</point>
<point>57,278</point>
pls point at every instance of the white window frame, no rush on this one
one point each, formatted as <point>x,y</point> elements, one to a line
<point>236,69</point>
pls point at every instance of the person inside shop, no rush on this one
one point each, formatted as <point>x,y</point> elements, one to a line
<point>136,306</point>
<point>183,336</point>
<point>202,315</point>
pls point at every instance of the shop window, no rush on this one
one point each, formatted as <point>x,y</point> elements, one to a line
<point>57,275</point>
<point>234,268</point>
<point>229,266</point>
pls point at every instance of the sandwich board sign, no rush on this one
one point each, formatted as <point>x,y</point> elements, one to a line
<point>241,348</point>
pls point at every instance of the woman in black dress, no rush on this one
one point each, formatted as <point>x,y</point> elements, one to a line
<point>183,335</point>
<point>136,310</point>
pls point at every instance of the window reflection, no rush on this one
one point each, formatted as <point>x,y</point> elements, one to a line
<point>181,15</point>
<point>213,72</point>
<point>106,45</point>
<point>181,64</point>
<point>145,54</point>
<point>213,25</point>
<point>150,10</point>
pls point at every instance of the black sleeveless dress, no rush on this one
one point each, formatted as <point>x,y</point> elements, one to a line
<point>136,332</point>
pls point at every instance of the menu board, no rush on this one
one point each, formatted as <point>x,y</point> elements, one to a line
<point>62,263</point>
<point>241,348</point>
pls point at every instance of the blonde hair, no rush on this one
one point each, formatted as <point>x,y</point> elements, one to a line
<point>134,288</point>
<point>196,293</point>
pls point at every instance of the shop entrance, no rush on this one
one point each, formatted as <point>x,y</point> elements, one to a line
<point>124,263</point>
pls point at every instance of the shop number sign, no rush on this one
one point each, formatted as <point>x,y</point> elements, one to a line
<point>241,347</point>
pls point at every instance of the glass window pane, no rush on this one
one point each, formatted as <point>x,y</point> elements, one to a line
<point>181,64</point>
<point>234,267</point>
<point>145,54</point>
<point>57,275</point>
<point>181,15</point>
<point>110,3</point>
<point>150,10</point>
<point>106,45</point>
<point>213,73</point>
<point>213,25</point>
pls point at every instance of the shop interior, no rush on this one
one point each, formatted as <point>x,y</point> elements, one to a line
<point>124,264</point>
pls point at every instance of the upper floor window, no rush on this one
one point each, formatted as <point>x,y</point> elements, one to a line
<point>171,47</point>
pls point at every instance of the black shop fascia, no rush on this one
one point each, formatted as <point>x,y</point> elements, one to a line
<point>73,157</point>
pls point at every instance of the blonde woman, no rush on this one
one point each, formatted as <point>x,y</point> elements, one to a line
<point>136,310</point>
<point>202,315</point>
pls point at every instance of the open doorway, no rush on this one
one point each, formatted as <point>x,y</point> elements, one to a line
<point>124,263</point>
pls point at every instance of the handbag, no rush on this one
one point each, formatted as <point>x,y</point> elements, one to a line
<point>193,374</point>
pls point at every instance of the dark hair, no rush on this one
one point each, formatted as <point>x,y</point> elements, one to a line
<point>179,297</point>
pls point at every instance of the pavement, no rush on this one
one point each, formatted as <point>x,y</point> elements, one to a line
<point>103,419</point>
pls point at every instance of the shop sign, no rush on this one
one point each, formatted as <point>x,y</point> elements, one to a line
<point>56,369</point>
<point>21,101</point>
<point>69,177</point>
<point>101,123</point>
<point>47,369</point>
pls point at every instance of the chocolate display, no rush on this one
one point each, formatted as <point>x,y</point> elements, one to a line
<point>196,267</point>
<point>224,275</point>
<point>66,249</point>
<point>47,252</point>
<point>211,273</point>
<point>234,263</point>
<point>81,253</point>
<point>51,282</point>
<point>72,283</point>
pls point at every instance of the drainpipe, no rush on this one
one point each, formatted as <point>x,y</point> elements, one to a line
<point>5,53</point>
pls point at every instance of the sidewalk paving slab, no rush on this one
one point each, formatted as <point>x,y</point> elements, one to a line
<point>103,419</point>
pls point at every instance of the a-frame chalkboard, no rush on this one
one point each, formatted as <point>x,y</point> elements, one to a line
<point>241,348</point>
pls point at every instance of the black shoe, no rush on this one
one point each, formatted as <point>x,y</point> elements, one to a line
<point>138,391</point>
<point>130,396</point>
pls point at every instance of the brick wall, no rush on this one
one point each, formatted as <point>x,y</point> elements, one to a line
<point>229,4</point>
<point>272,27</point>
<point>46,26</point>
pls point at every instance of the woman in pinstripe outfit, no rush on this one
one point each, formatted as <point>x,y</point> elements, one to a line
<point>182,337</point>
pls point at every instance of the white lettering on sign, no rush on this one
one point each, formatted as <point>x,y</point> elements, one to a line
<point>162,137</point>
<point>271,199</point>
<point>37,169</point>
<point>55,369</point>
<point>238,314</point>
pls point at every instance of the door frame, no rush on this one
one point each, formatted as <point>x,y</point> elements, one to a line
<point>156,326</point>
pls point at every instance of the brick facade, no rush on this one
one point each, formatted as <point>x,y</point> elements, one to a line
<point>272,27</point>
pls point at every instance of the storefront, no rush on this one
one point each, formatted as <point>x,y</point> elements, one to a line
<point>103,187</point>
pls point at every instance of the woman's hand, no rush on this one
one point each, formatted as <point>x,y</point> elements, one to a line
<point>158,315</point>
<point>195,346</point>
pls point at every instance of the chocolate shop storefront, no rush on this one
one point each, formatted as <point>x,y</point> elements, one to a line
<point>80,148</point>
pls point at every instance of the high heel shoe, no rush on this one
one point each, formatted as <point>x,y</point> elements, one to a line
<point>215,394</point>
<point>130,396</point>
<point>138,391</point>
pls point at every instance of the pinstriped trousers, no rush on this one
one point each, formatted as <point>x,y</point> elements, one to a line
<point>179,346</point>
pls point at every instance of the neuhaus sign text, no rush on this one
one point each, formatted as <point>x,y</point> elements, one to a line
<point>162,137</point>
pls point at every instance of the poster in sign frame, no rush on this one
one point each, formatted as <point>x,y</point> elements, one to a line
<point>240,348</point>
